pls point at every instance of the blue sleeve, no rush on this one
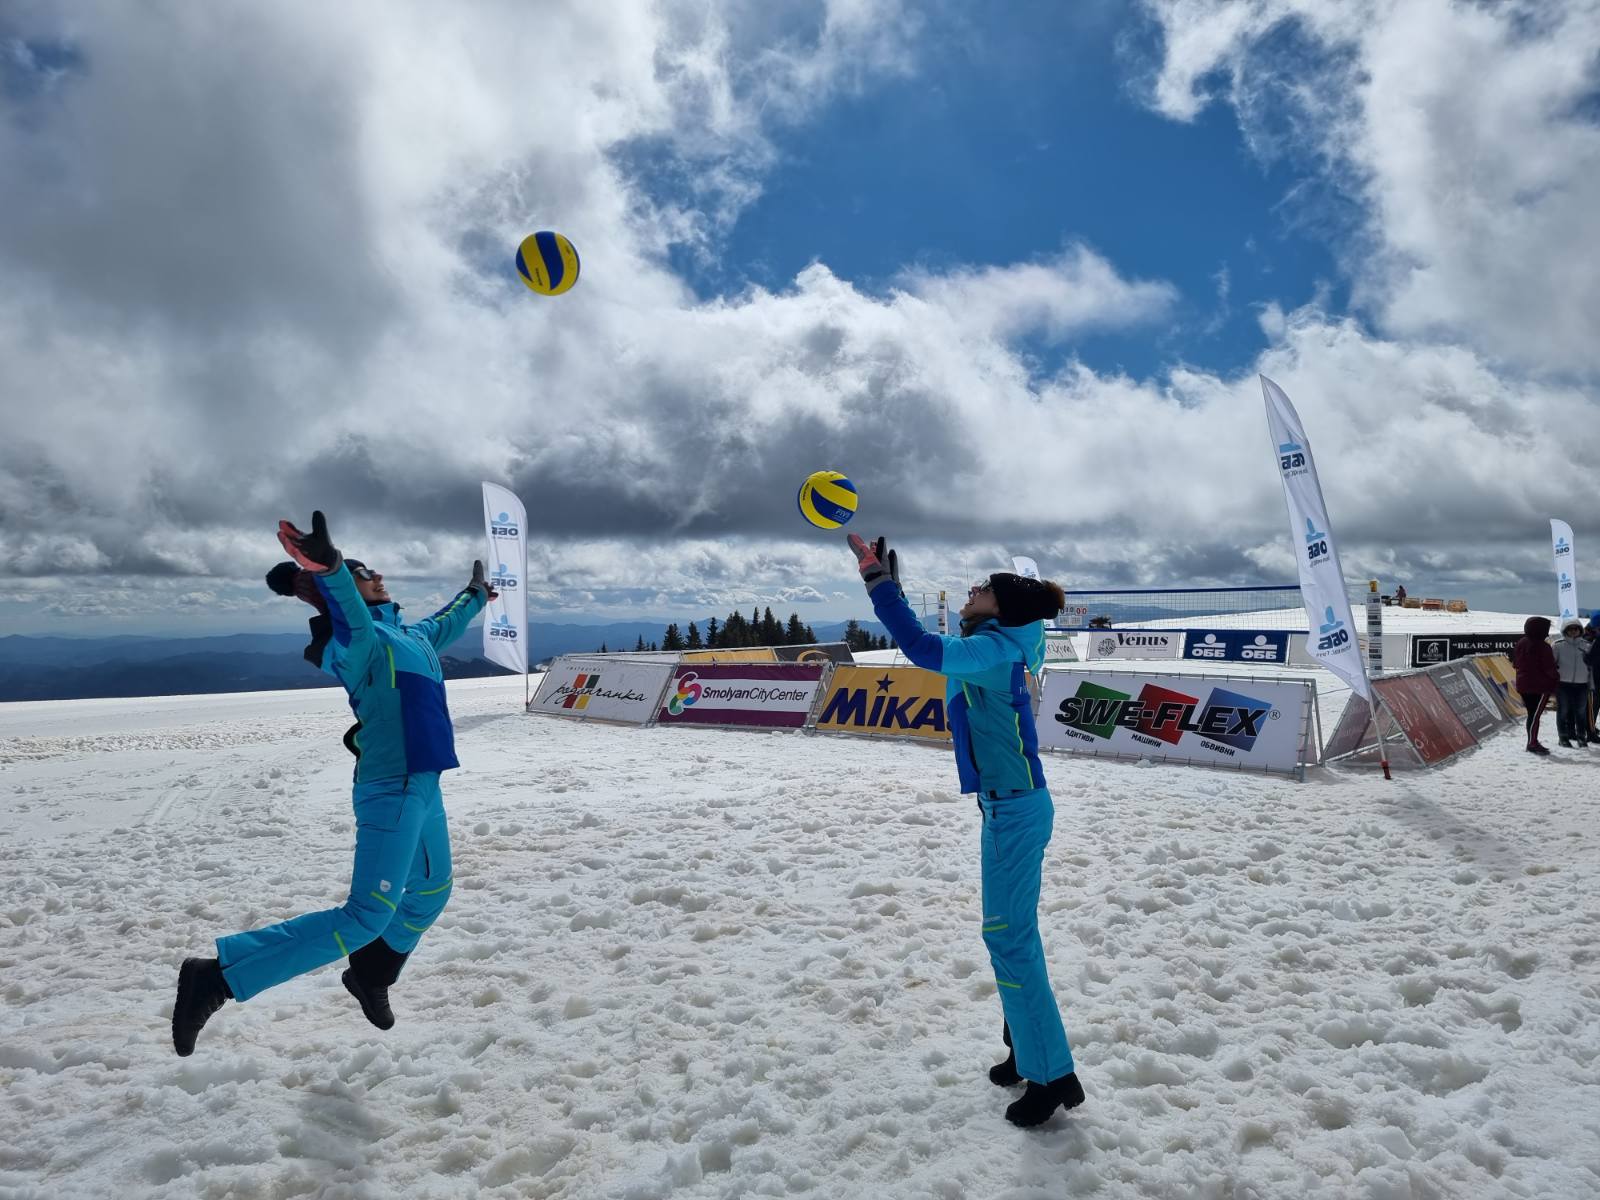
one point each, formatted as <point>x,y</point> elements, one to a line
<point>451,621</point>
<point>957,658</point>
<point>354,637</point>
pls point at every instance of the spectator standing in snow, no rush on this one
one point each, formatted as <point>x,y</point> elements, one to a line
<point>1590,641</point>
<point>1572,702</point>
<point>1400,595</point>
<point>990,712</point>
<point>1537,676</point>
<point>401,878</point>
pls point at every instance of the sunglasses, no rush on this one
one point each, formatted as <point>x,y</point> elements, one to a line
<point>979,587</point>
<point>363,573</point>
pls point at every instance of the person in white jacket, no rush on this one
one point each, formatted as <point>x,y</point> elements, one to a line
<point>1572,701</point>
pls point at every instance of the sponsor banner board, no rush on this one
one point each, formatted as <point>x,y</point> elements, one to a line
<point>1353,731</point>
<point>1058,646</point>
<point>745,654</point>
<point>1135,643</point>
<point>905,702</point>
<point>1252,724</point>
<point>602,689</point>
<point>821,652</point>
<point>1237,645</point>
<point>1497,670</point>
<point>768,696</point>
<point>1424,716</point>
<point>1463,689</point>
<point>1429,649</point>
<point>1074,616</point>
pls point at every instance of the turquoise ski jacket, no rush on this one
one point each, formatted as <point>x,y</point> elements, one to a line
<point>392,673</point>
<point>987,703</point>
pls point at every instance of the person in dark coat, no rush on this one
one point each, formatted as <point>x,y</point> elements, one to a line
<point>1537,676</point>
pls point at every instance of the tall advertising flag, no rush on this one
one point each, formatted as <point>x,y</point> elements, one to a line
<point>1566,568</point>
<point>1026,567</point>
<point>1332,640</point>
<point>505,621</point>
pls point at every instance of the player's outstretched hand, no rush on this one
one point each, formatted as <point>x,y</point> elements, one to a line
<point>315,550</point>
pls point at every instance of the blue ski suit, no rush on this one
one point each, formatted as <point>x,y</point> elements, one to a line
<point>990,713</point>
<point>401,879</point>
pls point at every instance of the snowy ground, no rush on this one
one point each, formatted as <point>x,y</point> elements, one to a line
<point>693,963</point>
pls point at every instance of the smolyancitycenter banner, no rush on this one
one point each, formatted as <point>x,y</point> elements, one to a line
<point>1332,640</point>
<point>505,621</point>
<point>774,697</point>
<point>1566,560</point>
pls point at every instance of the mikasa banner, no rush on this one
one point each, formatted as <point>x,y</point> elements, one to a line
<point>1332,640</point>
<point>505,621</point>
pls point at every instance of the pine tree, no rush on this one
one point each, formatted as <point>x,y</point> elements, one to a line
<point>854,636</point>
<point>639,648</point>
<point>810,636</point>
<point>603,649</point>
<point>694,642</point>
<point>794,633</point>
<point>713,635</point>
<point>771,631</point>
<point>654,647</point>
<point>673,639</point>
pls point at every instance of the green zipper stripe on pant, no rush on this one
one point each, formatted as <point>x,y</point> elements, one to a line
<point>339,942</point>
<point>995,928</point>
<point>415,928</point>
<point>437,890</point>
<point>378,896</point>
<point>1003,983</point>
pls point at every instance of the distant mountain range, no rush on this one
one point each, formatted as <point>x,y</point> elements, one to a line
<point>61,668</point>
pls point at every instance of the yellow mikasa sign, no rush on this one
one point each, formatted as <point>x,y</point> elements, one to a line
<point>886,702</point>
<point>751,654</point>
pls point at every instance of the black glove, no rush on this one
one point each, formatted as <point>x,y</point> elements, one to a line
<point>313,551</point>
<point>479,583</point>
<point>876,562</point>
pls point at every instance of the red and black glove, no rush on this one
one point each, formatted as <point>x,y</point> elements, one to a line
<point>876,562</point>
<point>314,551</point>
<point>479,583</point>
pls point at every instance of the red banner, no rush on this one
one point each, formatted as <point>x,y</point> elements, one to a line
<point>1421,710</point>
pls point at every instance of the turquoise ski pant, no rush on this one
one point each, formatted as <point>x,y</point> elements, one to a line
<point>1016,829</point>
<point>398,887</point>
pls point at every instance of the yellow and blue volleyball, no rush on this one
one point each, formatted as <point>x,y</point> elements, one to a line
<point>827,499</point>
<point>547,263</point>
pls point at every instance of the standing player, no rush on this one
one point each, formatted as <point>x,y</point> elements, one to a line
<point>997,756</point>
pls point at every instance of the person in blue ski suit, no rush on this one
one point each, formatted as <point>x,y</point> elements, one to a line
<point>990,714</point>
<point>403,739</point>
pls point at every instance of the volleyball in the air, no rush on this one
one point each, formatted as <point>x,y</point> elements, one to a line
<point>547,263</point>
<point>827,499</point>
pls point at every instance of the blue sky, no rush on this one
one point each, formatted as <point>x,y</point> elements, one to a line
<point>1015,137</point>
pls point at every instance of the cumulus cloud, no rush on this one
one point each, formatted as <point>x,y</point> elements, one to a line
<point>1466,134</point>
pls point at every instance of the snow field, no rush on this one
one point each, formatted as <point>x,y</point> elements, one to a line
<point>699,963</point>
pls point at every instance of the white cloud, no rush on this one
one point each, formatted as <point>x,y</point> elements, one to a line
<point>1465,132</point>
<point>256,268</point>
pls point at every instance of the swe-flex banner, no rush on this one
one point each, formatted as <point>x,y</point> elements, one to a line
<point>1249,724</point>
<point>885,702</point>
<point>603,689</point>
<point>774,697</point>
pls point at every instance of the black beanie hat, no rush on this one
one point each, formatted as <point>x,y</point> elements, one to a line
<point>1022,600</point>
<point>281,578</point>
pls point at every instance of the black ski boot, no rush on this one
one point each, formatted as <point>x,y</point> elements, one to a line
<point>1005,1074</point>
<point>201,991</point>
<point>372,972</point>
<point>1042,1099</point>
